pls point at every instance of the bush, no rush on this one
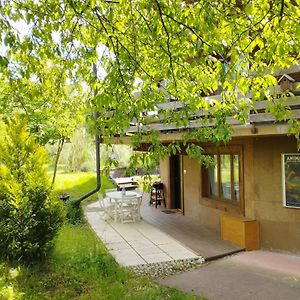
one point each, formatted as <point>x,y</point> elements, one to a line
<point>30,215</point>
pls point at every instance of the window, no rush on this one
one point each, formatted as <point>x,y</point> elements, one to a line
<point>222,182</point>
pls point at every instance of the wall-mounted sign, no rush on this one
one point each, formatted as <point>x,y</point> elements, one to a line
<point>291,179</point>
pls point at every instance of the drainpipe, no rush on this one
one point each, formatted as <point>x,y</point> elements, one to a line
<point>97,144</point>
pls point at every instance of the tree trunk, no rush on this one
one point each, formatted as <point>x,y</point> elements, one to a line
<point>59,149</point>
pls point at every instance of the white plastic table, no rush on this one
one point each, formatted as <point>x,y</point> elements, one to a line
<point>119,195</point>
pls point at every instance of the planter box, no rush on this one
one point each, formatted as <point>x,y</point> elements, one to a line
<point>241,231</point>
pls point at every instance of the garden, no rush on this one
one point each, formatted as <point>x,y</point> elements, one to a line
<point>132,70</point>
<point>47,250</point>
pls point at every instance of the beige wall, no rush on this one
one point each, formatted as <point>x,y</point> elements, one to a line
<point>192,195</point>
<point>279,226</point>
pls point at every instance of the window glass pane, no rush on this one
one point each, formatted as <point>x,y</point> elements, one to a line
<point>213,178</point>
<point>225,176</point>
<point>236,176</point>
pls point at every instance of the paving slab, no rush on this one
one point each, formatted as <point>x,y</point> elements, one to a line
<point>127,257</point>
<point>179,255</point>
<point>140,243</point>
<point>148,250</point>
<point>172,247</point>
<point>134,244</point>
<point>256,275</point>
<point>156,257</point>
<point>117,245</point>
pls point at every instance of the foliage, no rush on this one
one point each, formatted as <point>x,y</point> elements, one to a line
<point>196,151</point>
<point>146,182</point>
<point>79,268</point>
<point>29,214</point>
<point>162,49</point>
<point>51,104</point>
<point>76,184</point>
<point>79,155</point>
<point>118,154</point>
<point>74,213</point>
<point>142,162</point>
<point>53,107</point>
<point>79,152</point>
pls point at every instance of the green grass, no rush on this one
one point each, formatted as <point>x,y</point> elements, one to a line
<point>79,266</point>
<point>78,184</point>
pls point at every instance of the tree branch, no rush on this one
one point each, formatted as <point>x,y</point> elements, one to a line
<point>168,42</point>
<point>187,27</point>
<point>116,52</point>
<point>281,10</point>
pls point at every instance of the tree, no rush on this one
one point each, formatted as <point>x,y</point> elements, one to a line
<point>198,48</point>
<point>52,106</point>
<point>30,215</point>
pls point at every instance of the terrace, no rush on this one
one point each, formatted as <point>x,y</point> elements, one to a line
<point>198,237</point>
<point>159,237</point>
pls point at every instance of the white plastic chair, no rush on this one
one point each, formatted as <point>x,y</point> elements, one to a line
<point>129,209</point>
<point>140,199</point>
<point>106,206</point>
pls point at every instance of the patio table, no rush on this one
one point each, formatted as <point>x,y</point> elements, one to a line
<point>119,195</point>
<point>127,183</point>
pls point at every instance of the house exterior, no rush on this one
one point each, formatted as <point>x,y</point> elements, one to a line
<point>255,178</point>
<point>256,161</point>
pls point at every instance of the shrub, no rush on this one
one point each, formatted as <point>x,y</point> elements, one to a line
<point>30,215</point>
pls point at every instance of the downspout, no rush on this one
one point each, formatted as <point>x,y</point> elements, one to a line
<point>97,145</point>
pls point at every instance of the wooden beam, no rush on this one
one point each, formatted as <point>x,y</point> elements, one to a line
<point>290,101</point>
<point>239,131</point>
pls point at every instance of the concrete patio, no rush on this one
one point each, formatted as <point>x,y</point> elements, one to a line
<point>158,237</point>
<point>138,243</point>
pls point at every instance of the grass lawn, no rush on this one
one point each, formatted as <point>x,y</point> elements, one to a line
<point>79,183</point>
<point>79,266</point>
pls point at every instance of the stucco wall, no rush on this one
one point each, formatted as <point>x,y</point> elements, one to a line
<point>279,226</point>
<point>192,195</point>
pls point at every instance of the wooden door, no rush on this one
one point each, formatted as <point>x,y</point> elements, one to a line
<point>176,181</point>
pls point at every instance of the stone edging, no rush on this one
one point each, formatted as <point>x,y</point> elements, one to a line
<point>167,268</point>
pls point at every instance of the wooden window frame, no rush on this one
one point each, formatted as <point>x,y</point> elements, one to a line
<point>228,205</point>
